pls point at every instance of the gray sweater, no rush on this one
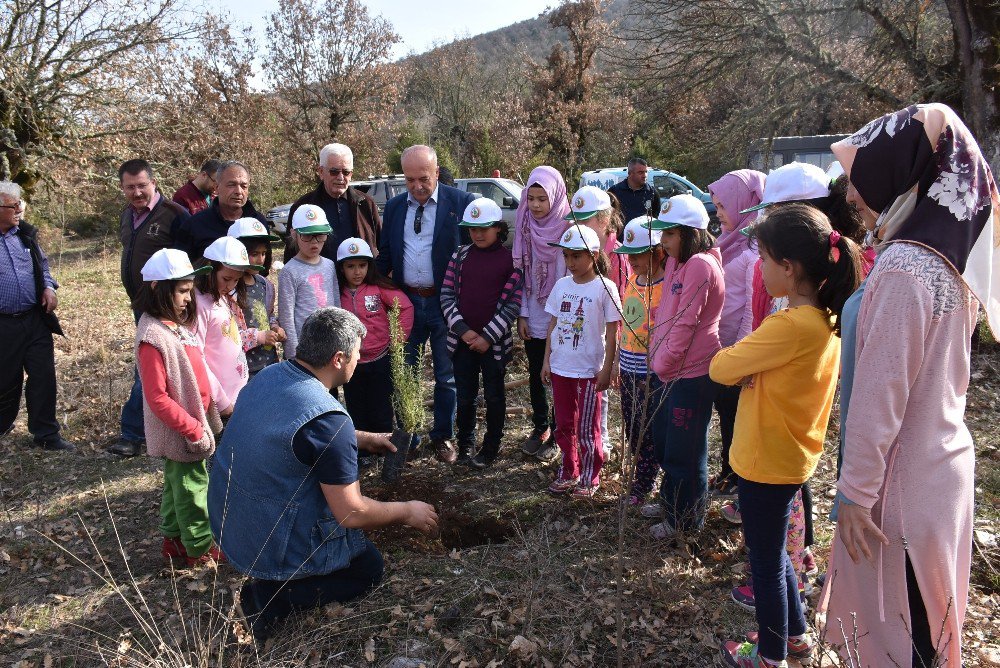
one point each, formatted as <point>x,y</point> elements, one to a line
<point>303,288</point>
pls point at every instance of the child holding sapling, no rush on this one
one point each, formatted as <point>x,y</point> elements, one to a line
<point>262,330</point>
<point>370,296</point>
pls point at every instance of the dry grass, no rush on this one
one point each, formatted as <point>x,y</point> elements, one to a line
<point>516,577</point>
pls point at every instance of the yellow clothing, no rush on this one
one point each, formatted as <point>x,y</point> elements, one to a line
<point>793,361</point>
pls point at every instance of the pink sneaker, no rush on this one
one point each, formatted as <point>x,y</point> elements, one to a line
<point>731,513</point>
<point>563,486</point>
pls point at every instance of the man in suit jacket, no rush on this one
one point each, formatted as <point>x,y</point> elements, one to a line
<point>419,234</point>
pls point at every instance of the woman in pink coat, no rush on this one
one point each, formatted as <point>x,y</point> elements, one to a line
<point>901,556</point>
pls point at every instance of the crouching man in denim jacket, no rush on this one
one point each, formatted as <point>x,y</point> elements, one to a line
<point>283,497</point>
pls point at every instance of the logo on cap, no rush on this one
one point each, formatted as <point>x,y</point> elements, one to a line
<point>666,206</point>
<point>243,255</point>
<point>578,203</point>
<point>629,236</point>
<point>257,227</point>
<point>353,249</point>
<point>474,212</point>
<point>568,235</point>
<point>310,214</point>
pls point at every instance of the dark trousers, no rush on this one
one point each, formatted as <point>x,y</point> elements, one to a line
<point>765,509</point>
<point>267,602</point>
<point>924,654</point>
<point>541,418</point>
<point>368,397</point>
<point>133,426</point>
<point>28,350</point>
<point>469,365</point>
<point>429,324</point>
<point>727,399</point>
<point>680,442</point>
<point>641,396</point>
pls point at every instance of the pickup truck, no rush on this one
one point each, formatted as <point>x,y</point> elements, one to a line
<point>505,192</point>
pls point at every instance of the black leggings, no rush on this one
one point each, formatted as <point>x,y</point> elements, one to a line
<point>541,416</point>
<point>924,655</point>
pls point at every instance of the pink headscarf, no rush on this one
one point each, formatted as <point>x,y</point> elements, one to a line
<point>737,191</point>
<point>542,264</point>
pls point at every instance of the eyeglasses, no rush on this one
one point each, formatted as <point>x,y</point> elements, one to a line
<point>417,219</point>
<point>314,237</point>
<point>342,172</point>
<point>10,206</point>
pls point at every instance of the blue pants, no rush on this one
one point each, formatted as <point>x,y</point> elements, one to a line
<point>680,441</point>
<point>428,323</point>
<point>765,510</point>
<point>132,427</point>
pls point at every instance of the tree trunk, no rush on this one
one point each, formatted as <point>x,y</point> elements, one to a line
<point>976,24</point>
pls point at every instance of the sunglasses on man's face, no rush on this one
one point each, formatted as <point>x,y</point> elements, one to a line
<point>341,172</point>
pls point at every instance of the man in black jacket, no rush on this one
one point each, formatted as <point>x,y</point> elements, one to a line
<point>637,198</point>
<point>350,212</point>
<point>27,322</point>
<point>230,204</point>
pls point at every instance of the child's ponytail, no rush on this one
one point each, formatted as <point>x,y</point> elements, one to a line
<point>602,264</point>
<point>844,277</point>
<point>826,258</point>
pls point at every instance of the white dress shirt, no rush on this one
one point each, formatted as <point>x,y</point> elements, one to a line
<point>418,266</point>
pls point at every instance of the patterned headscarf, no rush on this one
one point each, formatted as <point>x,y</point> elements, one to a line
<point>737,191</point>
<point>542,264</point>
<point>923,170</point>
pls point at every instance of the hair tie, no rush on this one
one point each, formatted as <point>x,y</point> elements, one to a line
<point>834,240</point>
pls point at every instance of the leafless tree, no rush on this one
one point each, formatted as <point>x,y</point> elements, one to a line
<point>976,25</point>
<point>769,67</point>
<point>329,61</point>
<point>578,119</point>
<point>62,62</point>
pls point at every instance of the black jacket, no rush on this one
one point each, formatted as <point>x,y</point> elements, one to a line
<point>199,231</point>
<point>29,237</point>
<point>361,209</point>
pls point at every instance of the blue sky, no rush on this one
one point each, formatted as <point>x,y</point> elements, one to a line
<point>419,23</point>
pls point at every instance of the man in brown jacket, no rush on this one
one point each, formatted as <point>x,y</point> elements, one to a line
<point>350,212</point>
<point>148,223</point>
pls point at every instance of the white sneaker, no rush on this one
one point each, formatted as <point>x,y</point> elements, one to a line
<point>662,531</point>
<point>653,511</point>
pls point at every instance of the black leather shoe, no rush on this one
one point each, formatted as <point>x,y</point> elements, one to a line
<point>126,448</point>
<point>57,443</point>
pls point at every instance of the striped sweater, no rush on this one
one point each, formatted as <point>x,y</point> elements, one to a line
<point>498,330</point>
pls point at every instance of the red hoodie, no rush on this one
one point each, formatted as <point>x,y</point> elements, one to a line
<point>371,304</point>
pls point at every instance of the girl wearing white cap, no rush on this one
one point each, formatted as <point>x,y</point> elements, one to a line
<point>642,295</point>
<point>682,343</point>
<point>219,299</point>
<point>262,329</point>
<point>579,358</point>
<point>181,418</point>
<point>369,295</point>
<point>308,281</point>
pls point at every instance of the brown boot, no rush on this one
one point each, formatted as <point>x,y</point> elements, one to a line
<point>445,450</point>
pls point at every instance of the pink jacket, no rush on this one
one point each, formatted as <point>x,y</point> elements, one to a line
<point>686,334</point>
<point>218,333</point>
<point>737,313</point>
<point>371,304</point>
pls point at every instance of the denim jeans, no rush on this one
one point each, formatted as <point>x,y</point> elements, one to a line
<point>132,426</point>
<point>267,602</point>
<point>469,365</point>
<point>680,441</point>
<point>765,510</point>
<point>428,323</point>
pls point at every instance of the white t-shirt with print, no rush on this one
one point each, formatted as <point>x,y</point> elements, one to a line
<point>582,312</point>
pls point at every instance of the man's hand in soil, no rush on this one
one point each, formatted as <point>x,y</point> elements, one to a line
<point>422,517</point>
<point>375,443</point>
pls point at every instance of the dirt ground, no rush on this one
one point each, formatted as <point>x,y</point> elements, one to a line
<point>515,576</point>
